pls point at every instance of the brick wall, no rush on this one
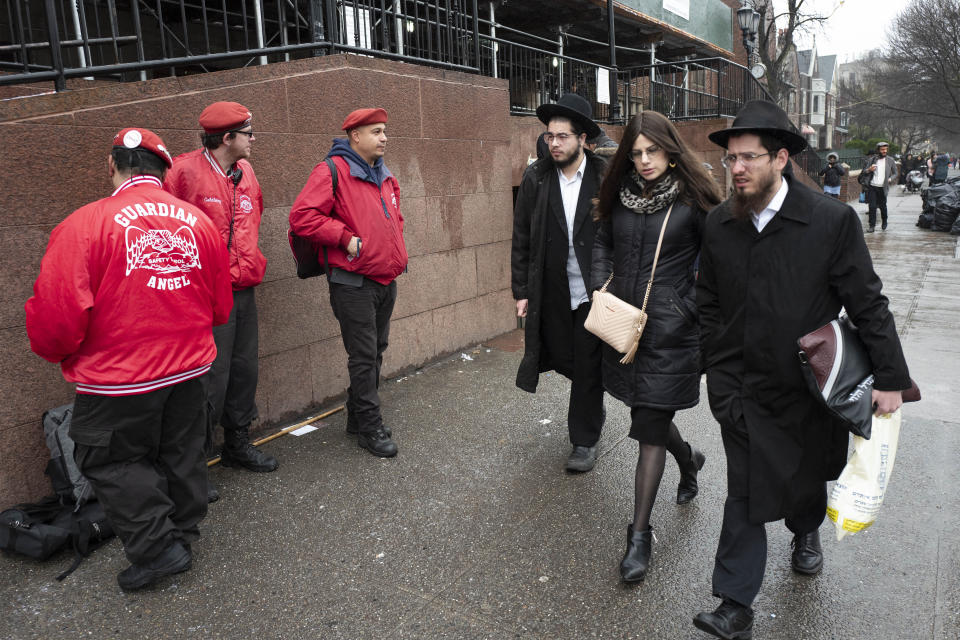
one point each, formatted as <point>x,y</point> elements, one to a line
<point>449,146</point>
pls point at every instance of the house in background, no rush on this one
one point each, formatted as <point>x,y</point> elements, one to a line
<point>827,75</point>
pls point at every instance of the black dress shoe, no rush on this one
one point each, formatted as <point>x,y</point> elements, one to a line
<point>729,621</point>
<point>582,459</point>
<point>807,557</point>
<point>212,494</point>
<point>378,443</point>
<point>633,567</point>
<point>174,559</point>
<point>883,227</point>
<point>688,489</point>
<point>870,230</point>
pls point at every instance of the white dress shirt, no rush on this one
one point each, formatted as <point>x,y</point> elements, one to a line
<point>761,219</point>
<point>570,193</point>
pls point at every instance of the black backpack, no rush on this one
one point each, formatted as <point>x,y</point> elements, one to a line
<point>40,529</point>
<point>68,483</point>
<point>72,518</point>
<point>306,252</point>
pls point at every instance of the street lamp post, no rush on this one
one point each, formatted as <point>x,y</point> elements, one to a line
<point>749,20</point>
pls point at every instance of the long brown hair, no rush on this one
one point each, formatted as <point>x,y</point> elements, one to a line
<point>697,187</point>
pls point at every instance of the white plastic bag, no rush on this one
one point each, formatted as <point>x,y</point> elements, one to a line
<point>858,493</point>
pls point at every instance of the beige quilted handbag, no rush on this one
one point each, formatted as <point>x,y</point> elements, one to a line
<point>619,323</point>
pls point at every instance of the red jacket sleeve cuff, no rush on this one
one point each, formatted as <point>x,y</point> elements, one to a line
<point>345,238</point>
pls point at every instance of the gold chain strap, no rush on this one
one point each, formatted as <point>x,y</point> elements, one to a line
<point>656,257</point>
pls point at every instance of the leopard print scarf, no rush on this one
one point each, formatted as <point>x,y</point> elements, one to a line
<point>661,195</point>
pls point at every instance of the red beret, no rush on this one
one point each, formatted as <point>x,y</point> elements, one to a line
<point>361,117</point>
<point>134,138</point>
<point>221,117</point>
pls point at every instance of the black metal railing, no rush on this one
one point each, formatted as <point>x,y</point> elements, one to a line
<point>690,90</point>
<point>810,163</point>
<point>58,40</point>
<point>538,75</point>
<point>54,40</point>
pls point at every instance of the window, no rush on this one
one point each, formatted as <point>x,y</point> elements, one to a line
<point>816,104</point>
<point>355,28</point>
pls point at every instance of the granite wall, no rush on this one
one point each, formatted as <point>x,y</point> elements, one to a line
<point>449,146</point>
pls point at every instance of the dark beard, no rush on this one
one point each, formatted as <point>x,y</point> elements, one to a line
<point>743,206</point>
<point>574,157</point>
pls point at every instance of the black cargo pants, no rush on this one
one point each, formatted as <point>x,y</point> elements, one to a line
<point>144,457</point>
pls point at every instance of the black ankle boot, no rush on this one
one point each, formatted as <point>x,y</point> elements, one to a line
<point>687,489</point>
<point>238,452</point>
<point>633,567</point>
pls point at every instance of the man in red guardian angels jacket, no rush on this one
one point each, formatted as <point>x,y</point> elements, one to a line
<point>128,291</point>
<point>219,180</point>
<point>361,230</point>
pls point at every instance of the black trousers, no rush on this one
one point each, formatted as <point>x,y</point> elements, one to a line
<point>876,199</point>
<point>364,316</point>
<point>233,376</point>
<point>144,457</point>
<point>742,550</point>
<point>585,413</point>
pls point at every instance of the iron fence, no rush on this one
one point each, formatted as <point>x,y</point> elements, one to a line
<point>810,163</point>
<point>689,90</point>
<point>53,40</point>
<point>537,76</point>
<point>57,40</point>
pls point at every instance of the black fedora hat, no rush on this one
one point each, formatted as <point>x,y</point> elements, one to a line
<point>760,116</point>
<point>573,107</point>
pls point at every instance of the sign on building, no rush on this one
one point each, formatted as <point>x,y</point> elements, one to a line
<point>679,7</point>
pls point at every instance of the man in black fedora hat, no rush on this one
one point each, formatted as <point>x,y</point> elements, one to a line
<point>553,233</point>
<point>778,260</point>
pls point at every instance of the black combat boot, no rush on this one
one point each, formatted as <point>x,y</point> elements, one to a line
<point>377,442</point>
<point>174,559</point>
<point>238,452</point>
<point>353,428</point>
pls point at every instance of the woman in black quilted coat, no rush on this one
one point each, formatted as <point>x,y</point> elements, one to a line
<point>654,172</point>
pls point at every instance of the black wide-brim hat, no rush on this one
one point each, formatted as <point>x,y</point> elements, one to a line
<point>573,107</point>
<point>760,116</point>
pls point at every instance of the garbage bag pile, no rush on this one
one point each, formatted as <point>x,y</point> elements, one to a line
<point>941,208</point>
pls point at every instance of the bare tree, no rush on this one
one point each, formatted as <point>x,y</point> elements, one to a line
<point>921,75</point>
<point>775,37</point>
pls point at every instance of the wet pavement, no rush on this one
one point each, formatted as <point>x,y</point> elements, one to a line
<point>475,530</point>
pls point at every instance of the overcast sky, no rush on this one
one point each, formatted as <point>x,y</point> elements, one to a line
<point>855,27</point>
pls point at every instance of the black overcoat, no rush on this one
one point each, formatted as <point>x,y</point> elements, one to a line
<point>540,247</point>
<point>665,373</point>
<point>757,293</point>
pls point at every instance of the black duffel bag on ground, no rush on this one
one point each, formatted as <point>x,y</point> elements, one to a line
<point>40,529</point>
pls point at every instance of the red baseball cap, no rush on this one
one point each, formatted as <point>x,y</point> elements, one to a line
<point>361,117</point>
<point>134,138</point>
<point>221,117</point>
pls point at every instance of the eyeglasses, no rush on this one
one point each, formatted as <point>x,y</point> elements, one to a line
<point>746,159</point>
<point>652,153</point>
<point>249,134</point>
<point>549,138</point>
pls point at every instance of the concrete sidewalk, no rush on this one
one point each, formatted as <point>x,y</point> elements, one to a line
<point>475,531</point>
